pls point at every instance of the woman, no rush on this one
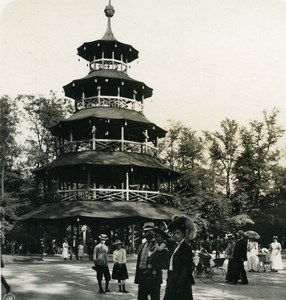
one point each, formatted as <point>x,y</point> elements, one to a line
<point>65,249</point>
<point>231,266</point>
<point>275,255</point>
<point>252,258</point>
<point>119,271</point>
<point>180,278</point>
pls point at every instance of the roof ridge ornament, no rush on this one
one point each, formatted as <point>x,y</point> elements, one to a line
<point>109,12</point>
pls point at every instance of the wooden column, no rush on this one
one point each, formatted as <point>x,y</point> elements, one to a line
<point>132,239</point>
<point>88,184</point>
<point>122,138</point>
<point>127,186</point>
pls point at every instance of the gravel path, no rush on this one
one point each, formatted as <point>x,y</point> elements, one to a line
<point>55,278</point>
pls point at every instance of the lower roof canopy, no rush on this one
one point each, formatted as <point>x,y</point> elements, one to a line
<point>101,210</point>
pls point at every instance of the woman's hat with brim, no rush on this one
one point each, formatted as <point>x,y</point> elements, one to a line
<point>163,233</point>
<point>117,242</point>
<point>103,237</point>
<point>183,223</point>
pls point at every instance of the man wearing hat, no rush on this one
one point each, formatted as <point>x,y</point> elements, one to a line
<point>148,279</point>
<point>100,263</point>
<point>239,256</point>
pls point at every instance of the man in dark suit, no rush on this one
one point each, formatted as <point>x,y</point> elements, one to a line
<point>74,247</point>
<point>239,256</point>
<point>147,277</point>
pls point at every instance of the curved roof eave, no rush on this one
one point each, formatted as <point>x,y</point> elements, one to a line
<point>101,210</point>
<point>115,158</point>
<point>112,113</point>
<point>89,49</point>
<point>105,74</point>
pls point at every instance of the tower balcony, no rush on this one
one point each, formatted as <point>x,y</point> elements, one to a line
<point>108,64</point>
<point>110,101</point>
<point>107,145</point>
<point>109,194</point>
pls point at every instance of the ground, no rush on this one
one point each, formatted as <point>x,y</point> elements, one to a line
<point>55,278</point>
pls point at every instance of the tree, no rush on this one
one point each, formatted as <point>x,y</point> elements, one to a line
<point>41,113</point>
<point>182,150</point>
<point>8,147</point>
<point>259,155</point>
<point>223,149</point>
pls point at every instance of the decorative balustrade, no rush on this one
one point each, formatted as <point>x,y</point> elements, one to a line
<point>108,63</point>
<point>102,194</point>
<point>110,101</point>
<point>106,145</point>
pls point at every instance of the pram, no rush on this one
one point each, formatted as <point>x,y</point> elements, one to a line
<point>210,268</point>
<point>264,264</point>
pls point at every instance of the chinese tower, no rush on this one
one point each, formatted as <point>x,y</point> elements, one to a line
<point>107,174</point>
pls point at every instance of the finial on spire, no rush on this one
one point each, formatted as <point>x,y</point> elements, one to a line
<point>109,12</point>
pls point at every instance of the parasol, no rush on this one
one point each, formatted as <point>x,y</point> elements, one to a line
<point>252,234</point>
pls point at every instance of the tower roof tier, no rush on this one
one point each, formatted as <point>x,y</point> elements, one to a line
<point>109,82</point>
<point>73,162</point>
<point>107,49</point>
<point>114,116</point>
<point>102,210</point>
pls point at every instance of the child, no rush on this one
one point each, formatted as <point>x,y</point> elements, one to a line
<point>159,254</point>
<point>80,251</point>
<point>119,271</point>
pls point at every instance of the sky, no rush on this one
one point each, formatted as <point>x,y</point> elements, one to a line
<point>206,60</point>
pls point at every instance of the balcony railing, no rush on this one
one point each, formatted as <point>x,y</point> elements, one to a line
<point>109,63</point>
<point>104,194</point>
<point>110,101</point>
<point>106,145</point>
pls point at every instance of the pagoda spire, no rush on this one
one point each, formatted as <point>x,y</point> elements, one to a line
<point>109,12</point>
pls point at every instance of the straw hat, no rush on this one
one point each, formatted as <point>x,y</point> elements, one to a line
<point>103,237</point>
<point>117,242</point>
<point>148,226</point>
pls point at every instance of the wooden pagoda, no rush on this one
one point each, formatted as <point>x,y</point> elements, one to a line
<point>107,173</point>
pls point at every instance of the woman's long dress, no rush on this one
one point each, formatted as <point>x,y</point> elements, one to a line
<point>65,250</point>
<point>252,258</point>
<point>275,256</point>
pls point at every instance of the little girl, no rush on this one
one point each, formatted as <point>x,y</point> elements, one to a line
<point>80,250</point>
<point>119,271</point>
<point>159,254</point>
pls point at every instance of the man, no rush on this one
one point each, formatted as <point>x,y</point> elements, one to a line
<point>100,263</point>
<point>74,247</point>
<point>239,256</point>
<point>148,278</point>
<point>206,244</point>
<point>90,246</point>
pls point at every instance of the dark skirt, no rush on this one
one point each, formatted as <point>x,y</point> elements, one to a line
<point>119,272</point>
<point>172,292</point>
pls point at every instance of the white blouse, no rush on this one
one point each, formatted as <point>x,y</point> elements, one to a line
<point>119,256</point>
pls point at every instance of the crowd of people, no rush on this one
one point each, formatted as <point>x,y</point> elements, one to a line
<point>172,249</point>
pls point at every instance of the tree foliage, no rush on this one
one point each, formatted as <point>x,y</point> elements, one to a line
<point>223,150</point>
<point>42,113</point>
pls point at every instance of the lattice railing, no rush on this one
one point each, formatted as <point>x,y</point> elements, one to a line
<point>110,101</point>
<point>106,145</point>
<point>101,194</point>
<point>107,64</point>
